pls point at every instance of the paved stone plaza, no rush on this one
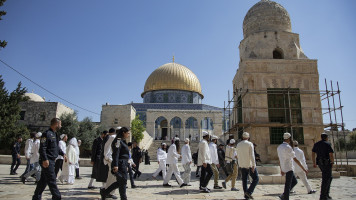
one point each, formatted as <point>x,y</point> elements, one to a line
<point>12,188</point>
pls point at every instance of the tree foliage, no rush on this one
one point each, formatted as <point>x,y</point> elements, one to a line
<point>137,129</point>
<point>3,43</point>
<point>10,113</point>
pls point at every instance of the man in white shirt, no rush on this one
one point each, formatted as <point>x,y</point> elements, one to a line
<point>214,160</point>
<point>28,147</point>
<point>63,146</point>
<point>77,153</point>
<point>162,160</point>
<point>298,171</point>
<point>186,161</point>
<point>34,159</point>
<point>286,156</point>
<point>204,160</point>
<point>247,163</point>
<point>108,159</point>
<point>231,157</point>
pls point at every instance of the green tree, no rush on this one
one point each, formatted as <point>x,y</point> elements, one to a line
<point>137,129</point>
<point>87,133</point>
<point>3,43</point>
<point>70,124</point>
<point>10,113</point>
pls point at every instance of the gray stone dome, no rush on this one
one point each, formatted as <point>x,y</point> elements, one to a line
<point>266,16</point>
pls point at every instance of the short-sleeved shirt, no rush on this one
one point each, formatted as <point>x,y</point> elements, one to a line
<point>322,150</point>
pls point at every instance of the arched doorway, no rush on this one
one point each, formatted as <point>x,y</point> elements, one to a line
<point>192,129</point>
<point>207,124</point>
<point>161,127</point>
<point>176,125</point>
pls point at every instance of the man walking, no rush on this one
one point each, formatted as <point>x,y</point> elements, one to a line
<point>95,158</point>
<point>325,161</point>
<point>298,171</point>
<point>48,153</point>
<point>16,158</point>
<point>137,158</point>
<point>204,160</point>
<point>28,147</point>
<point>231,159</point>
<point>162,160</point>
<point>108,160</point>
<point>215,160</point>
<point>247,163</point>
<point>63,146</point>
<point>221,155</point>
<point>186,162</point>
<point>286,156</point>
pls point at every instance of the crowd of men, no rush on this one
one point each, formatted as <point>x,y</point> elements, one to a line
<point>115,161</point>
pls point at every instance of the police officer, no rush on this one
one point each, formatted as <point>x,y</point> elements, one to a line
<point>16,158</point>
<point>325,160</point>
<point>119,164</point>
<point>137,158</point>
<point>48,153</point>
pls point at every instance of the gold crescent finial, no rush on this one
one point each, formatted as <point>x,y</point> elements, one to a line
<point>173,59</point>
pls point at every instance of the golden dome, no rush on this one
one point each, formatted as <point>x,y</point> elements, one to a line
<point>172,76</point>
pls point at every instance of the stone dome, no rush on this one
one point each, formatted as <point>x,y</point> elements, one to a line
<point>172,76</point>
<point>34,97</point>
<point>266,16</point>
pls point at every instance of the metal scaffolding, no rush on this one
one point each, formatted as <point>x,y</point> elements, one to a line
<point>332,114</point>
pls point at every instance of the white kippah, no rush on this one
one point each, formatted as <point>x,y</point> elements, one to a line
<point>245,135</point>
<point>232,141</point>
<point>286,136</point>
<point>39,134</point>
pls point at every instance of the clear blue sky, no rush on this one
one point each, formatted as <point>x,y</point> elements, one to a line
<point>93,52</point>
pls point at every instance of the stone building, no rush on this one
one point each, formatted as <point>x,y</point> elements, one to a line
<point>276,87</point>
<point>172,105</point>
<point>36,113</point>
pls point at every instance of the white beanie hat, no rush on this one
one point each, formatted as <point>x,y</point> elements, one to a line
<point>176,139</point>
<point>39,134</point>
<point>62,136</point>
<point>186,140</point>
<point>245,135</point>
<point>214,137</point>
<point>205,133</point>
<point>232,141</point>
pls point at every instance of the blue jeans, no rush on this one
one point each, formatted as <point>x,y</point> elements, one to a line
<point>254,175</point>
<point>291,181</point>
<point>29,167</point>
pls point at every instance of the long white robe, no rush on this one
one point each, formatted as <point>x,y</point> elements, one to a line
<point>68,172</point>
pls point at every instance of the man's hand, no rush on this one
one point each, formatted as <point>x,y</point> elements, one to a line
<point>45,163</point>
<point>205,165</point>
<point>115,169</point>
<point>218,165</point>
<point>282,173</point>
<point>314,165</point>
<point>65,158</point>
<point>253,169</point>
<point>92,163</point>
<point>158,162</point>
<point>306,171</point>
<point>18,156</point>
<point>133,165</point>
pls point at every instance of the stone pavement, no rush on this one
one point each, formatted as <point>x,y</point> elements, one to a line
<point>12,188</point>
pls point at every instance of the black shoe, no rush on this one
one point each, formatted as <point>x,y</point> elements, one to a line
<point>224,184</point>
<point>23,180</point>
<point>111,196</point>
<point>133,186</point>
<point>197,176</point>
<point>311,191</point>
<point>92,187</point>
<point>189,185</point>
<point>78,177</point>
<point>205,190</point>
<point>248,195</point>
<point>217,187</point>
<point>102,193</point>
<point>183,184</point>
<point>281,197</point>
<point>329,197</point>
<point>139,174</point>
<point>166,185</point>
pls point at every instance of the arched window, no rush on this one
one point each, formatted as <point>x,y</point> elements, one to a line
<point>278,54</point>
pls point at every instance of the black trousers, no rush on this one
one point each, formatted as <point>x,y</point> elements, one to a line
<point>291,181</point>
<point>121,180</point>
<point>15,161</point>
<point>48,177</point>
<point>205,176</point>
<point>131,176</point>
<point>136,169</point>
<point>58,165</point>
<point>326,171</point>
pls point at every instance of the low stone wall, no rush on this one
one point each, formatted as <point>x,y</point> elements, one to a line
<point>7,160</point>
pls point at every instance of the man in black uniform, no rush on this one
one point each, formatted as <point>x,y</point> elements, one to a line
<point>137,158</point>
<point>325,160</point>
<point>95,157</point>
<point>221,155</point>
<point>48,153</point>
<point>16,158</point>
<point>120,156</point>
